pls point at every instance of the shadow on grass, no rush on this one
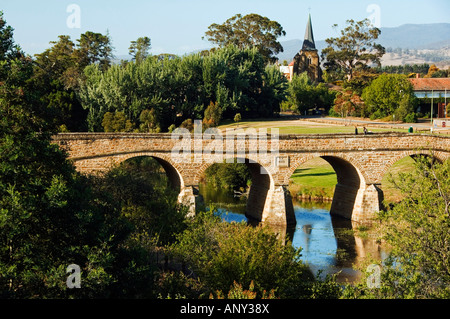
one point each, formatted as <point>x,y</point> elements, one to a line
<point>301,172</point>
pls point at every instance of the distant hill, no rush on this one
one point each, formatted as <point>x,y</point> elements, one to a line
<point>418,37</point>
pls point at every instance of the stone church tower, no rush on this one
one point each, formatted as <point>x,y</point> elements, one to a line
<point>308,57</point>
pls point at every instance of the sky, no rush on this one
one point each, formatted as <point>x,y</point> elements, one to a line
<point>177,26</point>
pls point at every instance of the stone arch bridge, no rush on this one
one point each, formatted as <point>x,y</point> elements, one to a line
<point>360,162</point>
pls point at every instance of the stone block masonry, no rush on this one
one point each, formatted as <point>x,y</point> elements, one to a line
<point>360,162</point>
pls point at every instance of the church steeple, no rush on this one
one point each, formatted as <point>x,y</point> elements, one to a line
<point>308,43</point>
<point>307,60</point>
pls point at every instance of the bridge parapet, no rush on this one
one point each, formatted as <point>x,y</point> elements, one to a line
<point>95,144</point>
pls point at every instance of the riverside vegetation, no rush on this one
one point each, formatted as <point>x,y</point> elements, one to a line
<point>126,230</point>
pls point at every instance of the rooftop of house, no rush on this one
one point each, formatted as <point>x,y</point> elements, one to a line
<point>430,84</point>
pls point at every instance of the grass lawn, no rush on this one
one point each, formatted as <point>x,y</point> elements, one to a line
<point>299,127</point>
<point>405,165</point>
<point>316,172</point>
<point>314,178</point>
<point>330,130</point>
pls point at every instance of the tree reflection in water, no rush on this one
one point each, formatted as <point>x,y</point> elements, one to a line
<point>328,243</point>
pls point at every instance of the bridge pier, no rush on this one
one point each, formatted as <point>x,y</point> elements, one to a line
<point>368,203</point>
<point>189,196</point>
<point>279,209</point>
<point>273,206</point>
<point>357,204</point>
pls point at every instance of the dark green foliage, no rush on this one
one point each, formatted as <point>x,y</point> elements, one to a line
<point>406,69</point>
<point>49,217</point>
<point>228,176</point>
<point>389,94</point>
<point>149,121</point>
<point>274,91</point>
<point>58,73</point>
<point>116,122</point>
<point>303,95</point>
<point>94,48</point>
<point>141,188</point>
<point>8,50</point>
<point>221,253</point>
<point>236,80</point>
<point>249,31</point>
<point>418,231</point>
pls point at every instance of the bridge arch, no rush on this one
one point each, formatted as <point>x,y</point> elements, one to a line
<point>403,162</point>
<point>437,156</point>
<point>172,170</point>
<point>174,177</point>
<point>265,202</point>
<point>350,190</point>
<point>347,170</point>
<point>179,178</point>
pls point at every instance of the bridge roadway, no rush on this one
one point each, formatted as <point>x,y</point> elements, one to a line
<point>360,162</point>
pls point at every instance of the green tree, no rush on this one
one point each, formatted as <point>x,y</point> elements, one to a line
<point>360,80</point>
<point>58,62</point>
<point>116,122</point>
<point>94,48</point>
<point>182,88</point>
<point>213,115</point>
<point>139,49</point>
<point>235,79</point>
<point>251,30</point>
<point>7,47</point>
<point>49,218</point>
<point>354,50</point>
<point>58,75</point>
<point>237,117</point>
<point>149,121</point>
<point>389,94</point>
<point>418,231</point>
<point>146,198</point>
<point>303,95</point>
<point>223,253</point>
<point>274,91</point>
<point>300,95</point>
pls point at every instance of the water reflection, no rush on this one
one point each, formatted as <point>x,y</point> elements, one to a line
<point>328,242</point>
<point>315,235</point>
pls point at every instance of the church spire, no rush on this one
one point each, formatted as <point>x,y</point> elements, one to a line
<point>308,43</point>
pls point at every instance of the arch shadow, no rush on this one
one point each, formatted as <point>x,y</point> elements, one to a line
<point>349,183</point>
<point>262,183</point>
<point>173,176</point>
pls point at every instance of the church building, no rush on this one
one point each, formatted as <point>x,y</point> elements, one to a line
<point>308,57</point>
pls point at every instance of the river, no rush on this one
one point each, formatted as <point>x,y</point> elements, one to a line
<point>329,244</point>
